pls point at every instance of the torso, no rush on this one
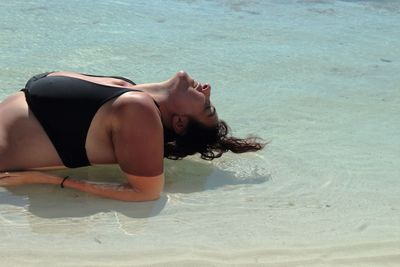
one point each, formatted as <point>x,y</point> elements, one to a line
<point>25,145</point>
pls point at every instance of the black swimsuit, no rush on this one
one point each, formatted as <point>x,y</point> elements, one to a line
<point>65,107</point>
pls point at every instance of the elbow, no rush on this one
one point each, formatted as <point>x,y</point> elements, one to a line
<point>150,195</point>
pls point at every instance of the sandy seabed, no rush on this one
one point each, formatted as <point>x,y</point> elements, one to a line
<point>319,79</point>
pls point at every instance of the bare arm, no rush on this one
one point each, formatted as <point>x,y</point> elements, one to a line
<point>138,146</point>
<point>124,192</point>
<point>147,188</point>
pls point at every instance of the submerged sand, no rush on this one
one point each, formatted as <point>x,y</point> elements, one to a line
<point>319,79</point>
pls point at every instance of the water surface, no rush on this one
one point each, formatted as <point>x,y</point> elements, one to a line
<point>317,78</point>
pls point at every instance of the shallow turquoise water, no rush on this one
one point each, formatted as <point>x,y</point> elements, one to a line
<point>319,79</point>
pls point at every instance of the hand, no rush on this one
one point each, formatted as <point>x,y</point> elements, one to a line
<point>27,177</point>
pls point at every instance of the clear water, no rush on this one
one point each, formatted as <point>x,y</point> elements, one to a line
<point>318,78</point>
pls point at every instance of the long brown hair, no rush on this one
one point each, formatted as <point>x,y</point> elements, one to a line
<point>211,143</point>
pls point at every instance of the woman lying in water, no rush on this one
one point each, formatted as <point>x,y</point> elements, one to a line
<point>66,119</point>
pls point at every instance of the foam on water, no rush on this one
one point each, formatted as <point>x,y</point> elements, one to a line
<point>319,79</point>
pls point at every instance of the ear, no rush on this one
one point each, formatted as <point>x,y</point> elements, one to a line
<point>179,124</point>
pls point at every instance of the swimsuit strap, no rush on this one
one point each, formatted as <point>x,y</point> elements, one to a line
<point>115,77</point>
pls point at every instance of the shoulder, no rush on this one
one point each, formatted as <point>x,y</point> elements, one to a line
<point>133,100</point>
<point>136,107</point>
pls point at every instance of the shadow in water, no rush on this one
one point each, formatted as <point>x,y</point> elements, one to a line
<point>185,176</point>
<point>189,176</point>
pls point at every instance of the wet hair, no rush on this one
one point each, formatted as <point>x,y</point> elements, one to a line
<point>209,142</point>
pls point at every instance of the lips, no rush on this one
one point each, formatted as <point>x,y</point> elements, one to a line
<point>206,86</point>
<point>201,87</point>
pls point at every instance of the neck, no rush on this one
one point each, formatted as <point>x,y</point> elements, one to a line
<point>160,92</point>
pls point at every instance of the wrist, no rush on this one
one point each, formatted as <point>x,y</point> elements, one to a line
<point>63,181</point>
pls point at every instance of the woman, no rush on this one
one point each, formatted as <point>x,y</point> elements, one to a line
<point>66,119</point>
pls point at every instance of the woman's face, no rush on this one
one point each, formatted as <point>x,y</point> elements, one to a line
<point>194,99</point>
